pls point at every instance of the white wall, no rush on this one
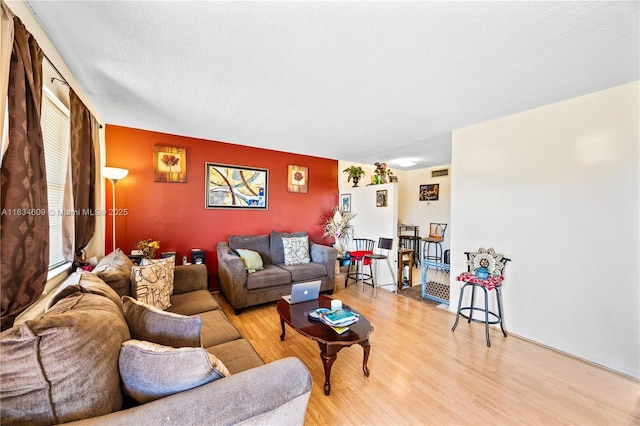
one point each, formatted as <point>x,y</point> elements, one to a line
<point>556,189</point>
<point>372,222</point>
<point>422,213</point>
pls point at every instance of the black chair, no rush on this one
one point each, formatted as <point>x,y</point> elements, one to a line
<point>364,246</point>
<point>436,235</point>
<point>385,245</point>
<point>494,265</point>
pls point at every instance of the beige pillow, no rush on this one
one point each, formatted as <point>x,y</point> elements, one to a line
<point>63,366</point>
<point>115,270</point>
<point>149,323</point>
<point>153,283</point>
<point>150,371</point>
<point>252,260</point>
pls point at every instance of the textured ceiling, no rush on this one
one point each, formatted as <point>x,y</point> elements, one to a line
<point>354,81</point>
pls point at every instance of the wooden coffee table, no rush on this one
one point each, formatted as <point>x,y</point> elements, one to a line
<point>329,341</point>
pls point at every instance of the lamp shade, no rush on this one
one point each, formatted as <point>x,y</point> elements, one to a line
<point>114,173</point>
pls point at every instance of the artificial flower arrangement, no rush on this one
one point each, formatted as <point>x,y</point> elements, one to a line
<point>339,227</point>
<point>382,172</point>
<point>148,248</point>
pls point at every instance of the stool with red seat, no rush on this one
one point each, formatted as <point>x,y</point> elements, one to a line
<point>485,270</point>
<point>363,246</point>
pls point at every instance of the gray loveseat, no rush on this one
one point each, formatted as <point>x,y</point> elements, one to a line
<point>243,288</point>
<point>63,366</point>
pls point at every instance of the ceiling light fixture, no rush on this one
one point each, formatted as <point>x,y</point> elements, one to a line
<point>404,162</point>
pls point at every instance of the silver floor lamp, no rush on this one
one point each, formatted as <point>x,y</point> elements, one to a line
<point>114,174</point>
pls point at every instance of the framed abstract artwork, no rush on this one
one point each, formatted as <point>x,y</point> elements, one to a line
<point>169,164</point>
<point>298,179</point>
<point>429,192</point>
<point>236,187</point>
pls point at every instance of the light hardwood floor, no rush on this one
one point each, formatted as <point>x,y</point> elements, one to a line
<point>422,373</point>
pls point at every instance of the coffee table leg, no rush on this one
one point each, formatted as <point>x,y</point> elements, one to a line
<point>328,355</point>
<point>282,325</point>
<point>366,347</point>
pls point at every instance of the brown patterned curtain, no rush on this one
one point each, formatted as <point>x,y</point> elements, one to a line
<point>24,231</point>
<point>83,172</point>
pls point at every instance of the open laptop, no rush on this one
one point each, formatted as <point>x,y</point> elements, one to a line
<point>303,292</point>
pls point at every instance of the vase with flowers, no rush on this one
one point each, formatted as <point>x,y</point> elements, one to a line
<point>339,226</point>
<point>382,172</point>
<point>148,248</point>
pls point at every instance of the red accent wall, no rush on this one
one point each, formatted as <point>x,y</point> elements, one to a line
<point>174,213</point>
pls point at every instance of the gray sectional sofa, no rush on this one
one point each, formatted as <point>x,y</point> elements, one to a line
<point>67,364</point>
<point>244,288</point>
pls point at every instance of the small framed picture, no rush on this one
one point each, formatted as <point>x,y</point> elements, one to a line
<point>169,164</point>
<point>381,198</point>
<point>429,192</point>
<point>298,179</point>
<point>345,202</point>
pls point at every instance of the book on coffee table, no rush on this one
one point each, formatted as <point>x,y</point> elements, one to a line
<point>339,318</point>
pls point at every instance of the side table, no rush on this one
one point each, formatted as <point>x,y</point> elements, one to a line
<point>405,267</point>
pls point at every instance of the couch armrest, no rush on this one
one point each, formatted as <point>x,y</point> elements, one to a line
<point>325,255</point>
<point>275,393</point>
<point>188,278</point>
<point>232,275</point>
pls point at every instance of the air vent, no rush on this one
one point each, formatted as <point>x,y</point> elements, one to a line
<point>438,173</point>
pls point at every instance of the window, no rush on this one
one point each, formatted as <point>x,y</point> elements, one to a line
<point>55,132</point>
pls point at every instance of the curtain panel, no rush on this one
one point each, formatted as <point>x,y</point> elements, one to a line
<point>24,227</point>
<point>6,43</point>
<point>83,172</point>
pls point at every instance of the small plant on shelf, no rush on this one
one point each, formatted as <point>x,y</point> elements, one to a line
<point>382,172</point>
<point>355,173</point>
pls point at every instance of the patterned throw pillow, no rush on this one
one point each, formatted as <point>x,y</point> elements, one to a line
<point>252,260</point>
<point>150,371</point>
<point>154,283</point>
<point>296,250</point>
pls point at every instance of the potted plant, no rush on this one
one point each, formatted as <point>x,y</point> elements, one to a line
<point>339,226</point>
<point>354,173</point>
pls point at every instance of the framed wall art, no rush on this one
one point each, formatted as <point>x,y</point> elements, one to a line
<point>236,187</point>
<point>381,198</point>
<point>345,202</point>
<point>298,179</point>
<point>169,164</point>
<point>429,192</point>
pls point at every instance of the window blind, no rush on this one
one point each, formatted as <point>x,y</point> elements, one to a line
<point>55,132</point>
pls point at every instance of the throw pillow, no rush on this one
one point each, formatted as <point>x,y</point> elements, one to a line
<point>150,371</point>
<point>252,259</point>
<point>296,250</point>
<point>153,283</point>
<point>277,249</point>
<point>149,323</point>
<point>259,243</point>
<point>115,270</point>
<point>63,366</point>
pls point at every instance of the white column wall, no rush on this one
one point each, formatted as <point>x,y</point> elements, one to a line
<point>556,189</point>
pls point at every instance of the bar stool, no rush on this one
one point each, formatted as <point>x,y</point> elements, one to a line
<point>436,235</point>
<point>490,277</point>
<point>364,246</point>
<point>385,244</point>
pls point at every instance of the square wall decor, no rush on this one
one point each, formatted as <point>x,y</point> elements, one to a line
<point>169,164</point>
<point>298,179</point>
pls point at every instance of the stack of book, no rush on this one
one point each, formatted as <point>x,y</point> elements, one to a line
<point>339,320</point>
